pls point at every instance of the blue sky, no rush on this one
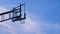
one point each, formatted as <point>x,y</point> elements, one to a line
<point>46,14</point>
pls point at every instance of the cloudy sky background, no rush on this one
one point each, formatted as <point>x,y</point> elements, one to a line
<point>43,17</point>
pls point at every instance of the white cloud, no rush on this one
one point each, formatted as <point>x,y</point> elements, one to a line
<point>3,9</point>
<point>39,27</point>
<point>8,26</point>
<point>29,25</point>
